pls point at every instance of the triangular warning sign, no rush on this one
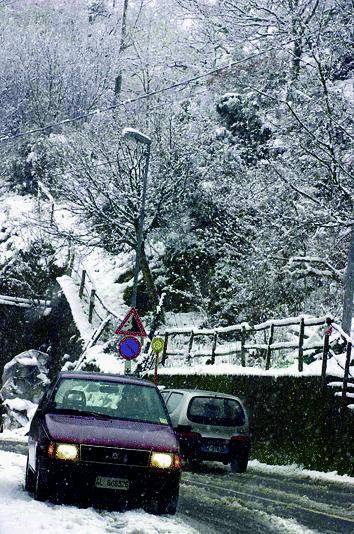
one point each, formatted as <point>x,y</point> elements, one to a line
<point>131,325</point>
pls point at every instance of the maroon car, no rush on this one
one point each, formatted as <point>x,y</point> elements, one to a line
<point>104,435</point>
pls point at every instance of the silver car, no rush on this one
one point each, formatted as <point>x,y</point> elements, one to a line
<point>210,426</point>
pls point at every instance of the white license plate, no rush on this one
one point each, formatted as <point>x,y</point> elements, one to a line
<point>112,483</point>
<point>215,448</point>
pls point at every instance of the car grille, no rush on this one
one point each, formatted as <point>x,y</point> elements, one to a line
<point>112,455</point>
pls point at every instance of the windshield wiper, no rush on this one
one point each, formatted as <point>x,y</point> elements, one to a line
<point>74,411</point>
<point>97,414</point>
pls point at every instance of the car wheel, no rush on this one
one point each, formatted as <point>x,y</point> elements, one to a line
<point>40,490</point>
<point>195,463</point>
<point>29,479</point>
<point>161,505</point>
<point>239,464</point>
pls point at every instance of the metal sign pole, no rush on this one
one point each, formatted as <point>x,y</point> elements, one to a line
<point>157,356</point>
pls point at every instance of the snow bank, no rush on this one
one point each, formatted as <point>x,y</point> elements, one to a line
<point>24,379</point>
<point>13,435</point>
<point>297,471</point>
<point>104,269</point>
<point>78,307</point>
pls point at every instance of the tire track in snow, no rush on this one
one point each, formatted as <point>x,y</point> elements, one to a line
<point>285,505</point>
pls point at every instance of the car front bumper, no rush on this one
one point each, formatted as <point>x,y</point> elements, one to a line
<point>81,477</point>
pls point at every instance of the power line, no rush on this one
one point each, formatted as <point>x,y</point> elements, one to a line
<point>5,4</point>
<point>133,100</point>
<point>89,167</point>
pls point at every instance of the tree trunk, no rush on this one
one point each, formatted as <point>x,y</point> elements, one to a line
<point>122,46</point>
<point>297,52</point>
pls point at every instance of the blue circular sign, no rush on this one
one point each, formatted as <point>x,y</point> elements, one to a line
<point>129,347</point>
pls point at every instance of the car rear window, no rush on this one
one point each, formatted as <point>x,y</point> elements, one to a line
<point>113,399</point>
<point>218,411</point>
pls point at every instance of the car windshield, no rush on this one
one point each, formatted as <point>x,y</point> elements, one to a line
<point>219,411</point>
<point>133,402</point>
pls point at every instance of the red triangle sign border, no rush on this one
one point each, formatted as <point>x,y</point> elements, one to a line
<point>132,313</point>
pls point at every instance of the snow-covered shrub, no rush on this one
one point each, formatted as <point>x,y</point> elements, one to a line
<point>23,382</point>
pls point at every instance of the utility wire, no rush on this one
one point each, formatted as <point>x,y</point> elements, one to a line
<point>133,100</point>
<point>5,4</point>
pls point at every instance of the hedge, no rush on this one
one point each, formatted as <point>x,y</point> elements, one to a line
<point>292,419</point>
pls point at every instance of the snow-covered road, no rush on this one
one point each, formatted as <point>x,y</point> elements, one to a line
<point>268,500</point>
<point>265,500</point>
<point>20,514</point>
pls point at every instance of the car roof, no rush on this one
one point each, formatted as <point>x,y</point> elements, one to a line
<point>122,379</point>
<point>201,392</point>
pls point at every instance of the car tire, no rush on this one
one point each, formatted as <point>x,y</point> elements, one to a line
<point>29,479</point>
<point>40,490</point>
<point>163,505</point>
<point>195,463</point>
<point>239,464</point>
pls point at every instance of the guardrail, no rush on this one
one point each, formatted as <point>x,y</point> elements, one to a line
<point>21,302</point>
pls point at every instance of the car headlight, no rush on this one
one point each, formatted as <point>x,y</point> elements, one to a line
<point>64,451</point>
<point>164,460</point>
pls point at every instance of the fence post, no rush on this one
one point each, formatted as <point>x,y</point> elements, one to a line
<point>91,305</point>
<point>301,345</point>
<point>324,358</point>
<point>269,350</point>
<point>243,342</point>
<point>164,353</point>
<point>213,349</point>
<point>82,283</point>
<point>190,345</point>
<point>346,370</point>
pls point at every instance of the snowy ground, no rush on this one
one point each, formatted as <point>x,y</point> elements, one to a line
<point>20,513</point>
<point>265,500</point>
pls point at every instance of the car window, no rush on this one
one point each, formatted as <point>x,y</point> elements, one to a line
<point>219,411</point>
<point>117,400</point>
<point>174,401</point>
<point>165,394</point>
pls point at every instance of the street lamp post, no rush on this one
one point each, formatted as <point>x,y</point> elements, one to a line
<point>131,133</point>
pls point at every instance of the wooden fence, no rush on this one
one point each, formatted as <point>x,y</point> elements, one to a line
<point>346,387</point>
<point>21,302</point>
<point>243,344</point>
<point>87,291</point>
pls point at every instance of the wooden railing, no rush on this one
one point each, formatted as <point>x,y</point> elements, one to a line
<point>243,343</point>
<point>88,292</point>
<point>21,302</point>
<point>346,387</point>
